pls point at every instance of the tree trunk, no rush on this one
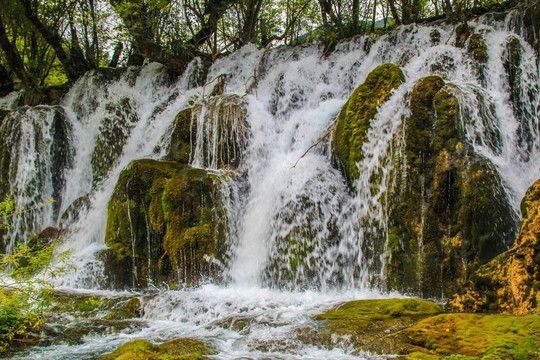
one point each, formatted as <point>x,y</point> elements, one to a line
<point>116,56</point>
<point>14,59</point>
<point>394,11</point>
<point>73,70</point>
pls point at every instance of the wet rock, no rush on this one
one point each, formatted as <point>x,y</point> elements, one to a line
<point>435,36</point>
<point>164,223</point>
<point>180,349</point>
<point>50,139</point>
<point>222,131</point>
<point>185,347</point>
<point>443,217</point>
<point>477,48</point>
<point>531,21</point>
<point>369,325</point>
<point>509,283</point>
<point>113,133</point>
<point>463,31</point>
<point>182,137</point>
<point>353,122</point>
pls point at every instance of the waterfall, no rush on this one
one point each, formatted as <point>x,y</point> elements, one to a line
<point>261,123</point>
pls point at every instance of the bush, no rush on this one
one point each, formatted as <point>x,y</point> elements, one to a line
<point>26,276</point>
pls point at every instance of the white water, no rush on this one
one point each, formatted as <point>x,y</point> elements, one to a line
<point>294,97</point>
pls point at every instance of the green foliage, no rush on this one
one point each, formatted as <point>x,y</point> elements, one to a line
<point>25,285</point>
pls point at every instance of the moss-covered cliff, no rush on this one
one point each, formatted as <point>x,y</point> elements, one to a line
<point>447,212</point>
<point>511,282</point>
<point>164,223</point>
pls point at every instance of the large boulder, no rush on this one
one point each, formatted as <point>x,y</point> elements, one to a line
<point>511,282</point>
<point>447,210</point>
<point>353,122</point>
<point>165,223</point>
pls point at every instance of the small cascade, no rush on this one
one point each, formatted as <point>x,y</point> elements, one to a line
<point>222,132</point>
<point>36,150</point>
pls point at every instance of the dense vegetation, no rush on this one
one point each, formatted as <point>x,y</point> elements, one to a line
<point>50,42</point>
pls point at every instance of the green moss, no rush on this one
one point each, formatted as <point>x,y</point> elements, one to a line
<point>179,148</point>
<point>460,224</point>
<point>462,34</point>
<point>181,349</point>
<point>353,122</point>
<point>165,217</point>
<point>131,347</point>
<point>185,347</point>
<point>369,325</point>
<point>469,336</point>
<point>374,310</point>
<point>477,48</point>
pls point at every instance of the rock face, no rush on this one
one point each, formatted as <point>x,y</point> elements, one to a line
<point>164,223</point>
<point>353,122</point>
<point>511,282</point>
<point>113,133</point>
<point>447,212</point>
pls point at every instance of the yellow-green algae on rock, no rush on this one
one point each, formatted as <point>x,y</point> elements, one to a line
<point>164,220</point>
<point>180,349</point>
<point>355,117</point>
<point>511,282</point>
<point>369,325</point>
<point>474,337</point>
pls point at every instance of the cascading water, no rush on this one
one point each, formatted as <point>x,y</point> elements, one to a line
<point>299,240</point>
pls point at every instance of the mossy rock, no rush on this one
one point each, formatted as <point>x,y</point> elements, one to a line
<point>180,349</point>
<point>474,337</point>
<point>477,48</point>
<point>463,31</point>
<point>184,128</point>
<point>354,120</point>
<point>461,224</point>
<point>185,347</point>
<point>113,133</point>
<point>164,220</point>
<point>509,283</point>
<point>131,347</point>
<point>370,325</point>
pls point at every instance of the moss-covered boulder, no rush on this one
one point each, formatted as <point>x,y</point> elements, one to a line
<point>511,282</point>
<point>113,133</point>
<point>447,210</point>
<point>474,337</point>
<point>369,325</point>
<point>463,31</point>
<point>180,349</point>
<point>164,223</point>
<point>182,137</point>
<point>354,120</point>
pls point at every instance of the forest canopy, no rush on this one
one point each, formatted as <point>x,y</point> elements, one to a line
<point>52,42</point>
